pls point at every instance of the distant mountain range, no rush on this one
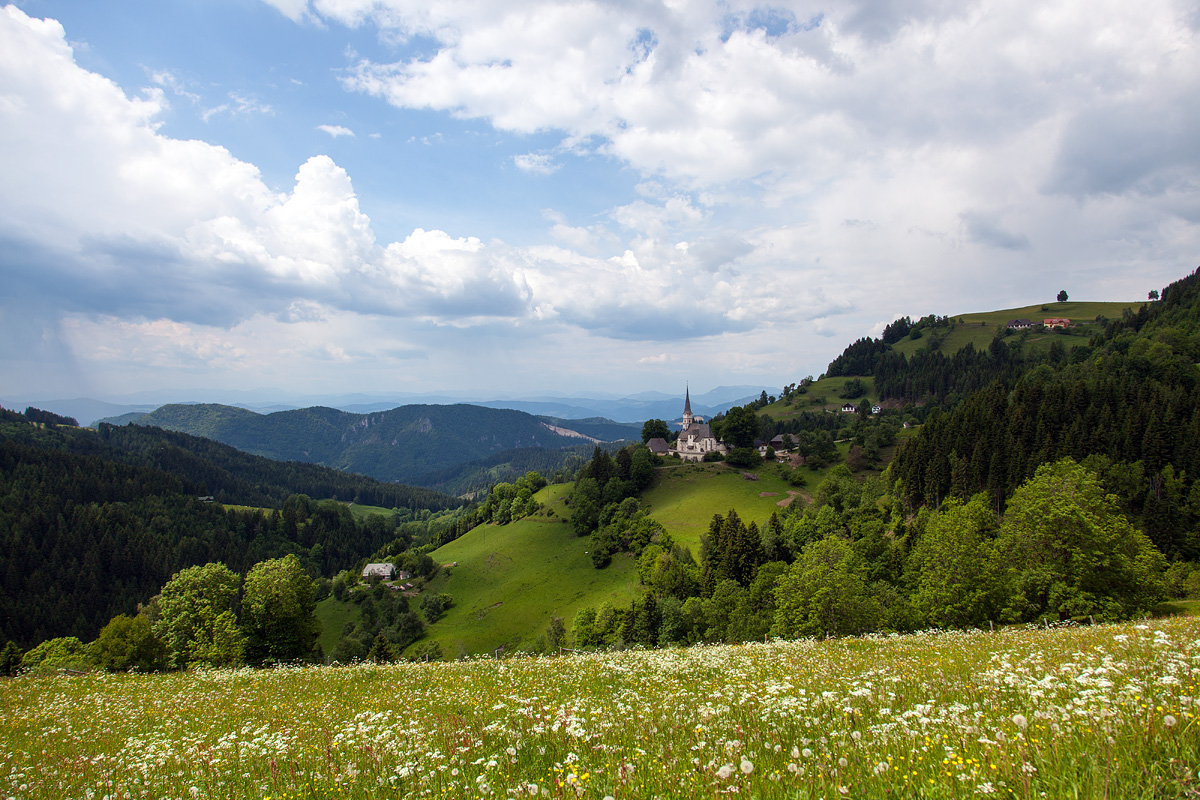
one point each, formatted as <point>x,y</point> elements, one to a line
<point>400,444</point>
<point>635,408</point>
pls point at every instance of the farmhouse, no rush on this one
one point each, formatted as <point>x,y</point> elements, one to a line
<point>849,408</point>
<point>695,438</point>
<point>1056,322</point>
<point>1018,324</point>
<point>385,571</point>
<point>658,446</point>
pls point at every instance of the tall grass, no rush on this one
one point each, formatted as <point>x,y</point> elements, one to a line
<point>1106,711</point>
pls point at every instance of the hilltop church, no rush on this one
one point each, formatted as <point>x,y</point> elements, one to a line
<point>696,438</point>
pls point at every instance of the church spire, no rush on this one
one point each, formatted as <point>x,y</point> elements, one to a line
<point>687,406</point>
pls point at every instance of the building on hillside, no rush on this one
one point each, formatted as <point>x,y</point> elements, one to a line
<point>1018,324</point>
<point>658,446</point>
<point>385,571</point>
<point>875,409</point>
<point>1056,322</point>
<point>696,439</point>
<point>849,408</point>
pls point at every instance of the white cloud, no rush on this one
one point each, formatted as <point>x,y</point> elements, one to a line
<point>799,167</point>
<point>335,130</point>
<point>141,224</point>
<point>537,163</point>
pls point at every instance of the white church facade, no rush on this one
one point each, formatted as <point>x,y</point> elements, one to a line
<point>695,438</point>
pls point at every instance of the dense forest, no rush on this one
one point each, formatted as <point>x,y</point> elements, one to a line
<point>93,523</point>
<point>1126,406</point>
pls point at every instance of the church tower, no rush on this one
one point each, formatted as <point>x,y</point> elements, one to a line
<point>687,408</point>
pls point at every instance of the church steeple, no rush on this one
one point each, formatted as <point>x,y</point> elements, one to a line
<point>687,406</point>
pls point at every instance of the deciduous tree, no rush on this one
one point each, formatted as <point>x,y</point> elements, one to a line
<point>277,611</point>
<point>127,643</point>
<point>192,597</point>
<point>1071,552</point>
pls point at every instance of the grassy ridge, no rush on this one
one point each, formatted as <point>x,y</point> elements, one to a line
<point>1096,712</point>
<point>684,498</point>
<point>511,579</point>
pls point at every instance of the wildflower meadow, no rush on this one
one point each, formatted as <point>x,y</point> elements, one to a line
<point>1108,711</point>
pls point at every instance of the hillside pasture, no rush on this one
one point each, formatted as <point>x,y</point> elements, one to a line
<point>333,616</point>
<point>685,497</point>
<point>822,395</point>
<point>979,328</point>
<point>976,328</point>
<point>511,579</point>
<point>1108,711</point>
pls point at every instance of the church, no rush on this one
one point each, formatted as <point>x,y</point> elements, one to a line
<point>696,438</point>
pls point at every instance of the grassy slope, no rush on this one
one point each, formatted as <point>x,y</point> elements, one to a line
<point>333,616</point>
<point>511,579</point>
<point>684,498</point>
<point>822,395</point>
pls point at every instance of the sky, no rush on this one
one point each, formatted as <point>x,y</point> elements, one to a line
<point>331,196</point>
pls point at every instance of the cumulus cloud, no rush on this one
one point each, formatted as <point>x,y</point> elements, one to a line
<point>800,166</point>
<point>112,218</point>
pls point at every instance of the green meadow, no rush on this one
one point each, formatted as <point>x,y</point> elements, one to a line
<point>979,328</point>
<point>333,617</point>
<point>684,497</point>
<point>509,580</point>
<point>1096,712</point>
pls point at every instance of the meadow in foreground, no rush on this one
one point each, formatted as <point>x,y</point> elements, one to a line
<point>1105,711</point>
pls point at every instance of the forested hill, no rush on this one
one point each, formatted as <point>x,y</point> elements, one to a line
<point>1125,404</point>
<point>92,523</point>
<point>229,475</point>
<point>397,445</point>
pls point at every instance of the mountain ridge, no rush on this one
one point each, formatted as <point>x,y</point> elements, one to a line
<point>400,444</point>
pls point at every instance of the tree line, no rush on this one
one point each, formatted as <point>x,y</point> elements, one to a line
<point>204,615</point>
<point>855,561</point>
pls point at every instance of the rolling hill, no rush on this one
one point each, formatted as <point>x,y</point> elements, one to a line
<point>508,581</point>
<point>401,444</point>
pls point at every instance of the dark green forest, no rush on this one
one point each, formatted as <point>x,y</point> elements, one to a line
<point>94,523</point>
<point>1125,405</point>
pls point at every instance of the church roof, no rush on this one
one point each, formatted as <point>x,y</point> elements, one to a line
<point>687,401</point>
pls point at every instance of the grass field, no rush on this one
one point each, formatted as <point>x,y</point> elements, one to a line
<point>333,616</point>
<point>360,511</point>
<point>684,498</point>
<point>1094,712</point>
<point>511,579</point>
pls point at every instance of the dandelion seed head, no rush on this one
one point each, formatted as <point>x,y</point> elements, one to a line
<point>747,766</point>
